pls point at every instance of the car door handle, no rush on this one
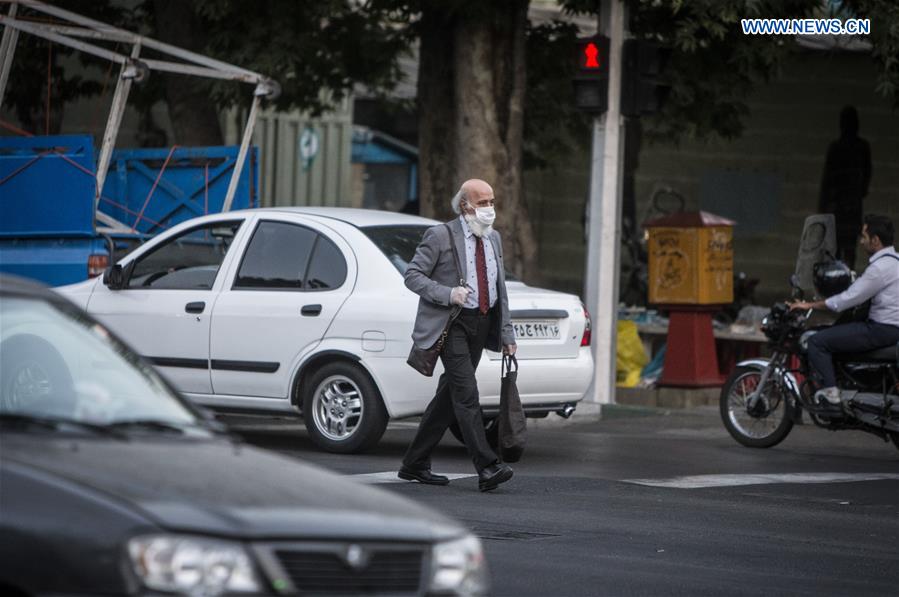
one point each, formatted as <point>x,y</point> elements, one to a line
<point>311,310</point>
<point>196,307</point>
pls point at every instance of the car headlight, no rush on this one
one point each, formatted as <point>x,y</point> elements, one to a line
<point>192,566</point>
<point>458,568</point>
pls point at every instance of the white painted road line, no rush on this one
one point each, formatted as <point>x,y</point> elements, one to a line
<point>390,477</point>
<point>700,481</point>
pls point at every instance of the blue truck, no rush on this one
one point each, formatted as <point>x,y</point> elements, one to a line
<point>53,226</point>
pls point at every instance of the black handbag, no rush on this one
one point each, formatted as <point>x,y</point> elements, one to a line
<point>424,360</point>
<point>513,425</point>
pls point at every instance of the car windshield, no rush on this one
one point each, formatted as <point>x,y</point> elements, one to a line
<point>56,364</point>
<point>398,243</point>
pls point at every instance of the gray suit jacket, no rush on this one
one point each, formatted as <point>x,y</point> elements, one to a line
<point>432,274</point>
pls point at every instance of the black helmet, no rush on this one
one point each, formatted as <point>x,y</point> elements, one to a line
<point>831,277</point>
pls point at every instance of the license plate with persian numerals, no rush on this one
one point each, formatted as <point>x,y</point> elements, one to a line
<point>536,330</point>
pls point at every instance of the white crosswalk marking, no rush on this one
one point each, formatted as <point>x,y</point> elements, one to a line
<point>700,481</point>
<point>390,477</point>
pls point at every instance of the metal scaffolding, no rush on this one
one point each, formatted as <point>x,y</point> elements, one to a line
<point>133,69</point>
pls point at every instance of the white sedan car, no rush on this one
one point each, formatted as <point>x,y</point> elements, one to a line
<point>304,310</point>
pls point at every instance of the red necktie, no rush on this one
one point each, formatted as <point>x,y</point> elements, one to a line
<point>481,264</point>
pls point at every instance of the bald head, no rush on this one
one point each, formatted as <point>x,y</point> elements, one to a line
<point>475,187</point>
<point>473,193</point>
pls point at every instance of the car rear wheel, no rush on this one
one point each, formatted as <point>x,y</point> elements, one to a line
<point>342,409</point>
<point>491,427</point>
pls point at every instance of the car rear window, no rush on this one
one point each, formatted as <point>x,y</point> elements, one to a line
<point>398,243</point>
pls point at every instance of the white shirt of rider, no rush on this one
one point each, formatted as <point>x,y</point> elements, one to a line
<point>880,283</point>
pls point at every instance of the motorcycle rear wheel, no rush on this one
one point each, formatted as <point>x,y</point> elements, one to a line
<point>771,420</point>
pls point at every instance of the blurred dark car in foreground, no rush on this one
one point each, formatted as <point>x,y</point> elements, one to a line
<point>111,483</point>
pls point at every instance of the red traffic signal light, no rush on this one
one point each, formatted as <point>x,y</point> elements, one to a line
<point>593,55</point>
<point>591,79</point>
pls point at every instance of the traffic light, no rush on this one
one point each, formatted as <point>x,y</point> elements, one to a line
<point>643,86</point>
<point>591,81</point>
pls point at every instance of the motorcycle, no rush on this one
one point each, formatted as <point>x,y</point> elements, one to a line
<point>763,398</point>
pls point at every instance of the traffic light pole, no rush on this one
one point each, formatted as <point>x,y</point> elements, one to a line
<point>605,214</point>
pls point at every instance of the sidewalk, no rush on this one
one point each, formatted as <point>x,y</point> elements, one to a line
<point>636,402</point>
<point>668,397</point>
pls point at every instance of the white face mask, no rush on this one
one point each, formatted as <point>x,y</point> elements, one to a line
<point>484,216</point>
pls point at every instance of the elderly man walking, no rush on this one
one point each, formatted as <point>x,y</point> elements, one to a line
<point>483,322</point>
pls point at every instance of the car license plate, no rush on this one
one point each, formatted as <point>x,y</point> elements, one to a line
<point>536,330</point>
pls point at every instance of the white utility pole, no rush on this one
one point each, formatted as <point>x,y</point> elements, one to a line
<point>604,238</point>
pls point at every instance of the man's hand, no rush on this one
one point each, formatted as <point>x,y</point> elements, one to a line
<point>805,305</point>
<point>509,349</point>
<point>459,295</point>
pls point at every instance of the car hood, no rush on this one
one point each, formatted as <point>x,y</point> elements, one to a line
<point>227,489</point>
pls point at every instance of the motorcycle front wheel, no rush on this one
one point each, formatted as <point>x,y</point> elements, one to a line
<point>764,425</point>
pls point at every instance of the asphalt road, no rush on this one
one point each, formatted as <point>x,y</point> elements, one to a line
<point>573,521</point>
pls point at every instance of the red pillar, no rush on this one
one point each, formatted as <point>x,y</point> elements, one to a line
<point>690,358</point>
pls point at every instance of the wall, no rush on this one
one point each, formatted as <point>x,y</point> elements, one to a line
<point>768,179</point>
<point>285,178</point>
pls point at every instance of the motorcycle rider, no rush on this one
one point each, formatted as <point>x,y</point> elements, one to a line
<point>880,283</point>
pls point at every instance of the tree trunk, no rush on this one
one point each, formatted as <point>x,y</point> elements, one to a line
<point>194,118</point>
<point>436,112</point>
<point>479,134</point>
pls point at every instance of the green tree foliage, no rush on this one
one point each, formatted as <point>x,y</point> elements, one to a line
<point>316,50</point>
<point>307,47</point>
<point>552,125</point>
<point>330,45</point>
<point>34,58</point>
<point>884,15</point>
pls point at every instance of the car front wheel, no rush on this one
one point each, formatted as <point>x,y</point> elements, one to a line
<point>342,409</point>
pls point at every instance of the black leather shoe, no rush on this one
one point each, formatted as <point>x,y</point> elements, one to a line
<point>422,475</point>
<point>493,475</point>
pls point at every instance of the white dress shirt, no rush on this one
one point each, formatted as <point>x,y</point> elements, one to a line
<point>472,269</point>
<point>880,282</point>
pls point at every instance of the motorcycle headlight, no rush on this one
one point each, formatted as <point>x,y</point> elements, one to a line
<point>192,566</point>
<point>458,568</point>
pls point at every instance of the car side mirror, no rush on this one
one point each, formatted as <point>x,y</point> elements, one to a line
<point>114,277</point>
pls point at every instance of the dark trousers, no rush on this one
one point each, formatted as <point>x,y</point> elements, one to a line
<point>850,337</point>
<point>457,396</point>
